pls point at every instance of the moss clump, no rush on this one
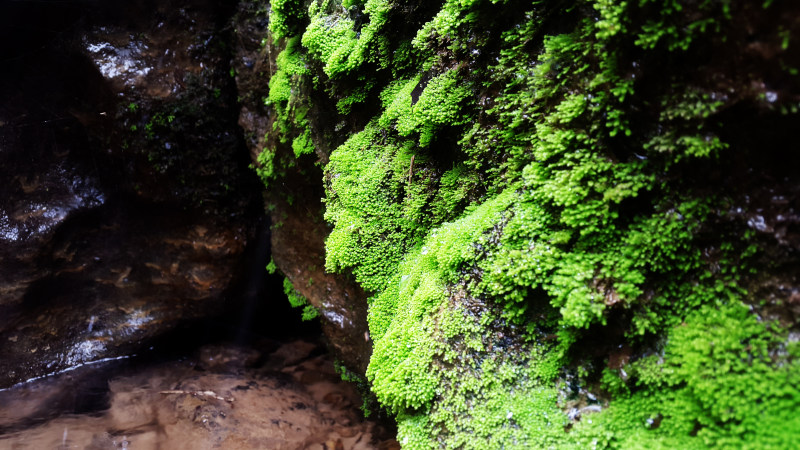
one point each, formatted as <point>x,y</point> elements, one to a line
<point>287,18</point>
<point>438,105</point>
<point>724,379</point>
<point>291,124</point>
<point>525,190</point>
<point>334,38</point>
<point>298,301</point>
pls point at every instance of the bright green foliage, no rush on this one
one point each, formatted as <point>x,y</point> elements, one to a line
<point>439,104</point>
<point>676,29</point>
<point>283,86</point>
<point>365,175</point>
<point>404,316</point>
<point>302,145</point>
<point>454,16</point>
<point>526,179</point>
<point>297,300</point>
<point>266,166</point>
<point>332,39</point>
<point>291,108</point>
<point>721,382</point>
<point>286,18</point>
<point>329,38</point>
<point>271,266</point>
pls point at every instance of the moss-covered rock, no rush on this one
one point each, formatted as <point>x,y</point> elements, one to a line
<point>576,222</point>
<point>276,112</point>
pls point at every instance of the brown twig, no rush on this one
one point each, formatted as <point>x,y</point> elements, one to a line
<point>211,394</point>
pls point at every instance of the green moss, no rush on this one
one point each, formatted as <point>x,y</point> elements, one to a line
<point>298,301</point>
<point>361,179</point>
<point>291,107</point>
<point>721,382</point>
<point>302,145</point>
<point>439,104</point>
<point>332,38</point>
<point>271,266</point>
<point>286,18</point>
<point>527,179</point>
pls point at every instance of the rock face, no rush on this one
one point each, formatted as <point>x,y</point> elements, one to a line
<point>298,228</point>
<point>128,202</point>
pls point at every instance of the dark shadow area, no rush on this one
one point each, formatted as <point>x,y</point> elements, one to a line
<point>104,224</point>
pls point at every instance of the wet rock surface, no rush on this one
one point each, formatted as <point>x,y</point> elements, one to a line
<point>96,303</point>
<point>128,206</point>
<point>223,397</point>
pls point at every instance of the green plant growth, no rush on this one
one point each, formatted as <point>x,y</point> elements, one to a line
<point>531,176</point>
<point>298,301</point>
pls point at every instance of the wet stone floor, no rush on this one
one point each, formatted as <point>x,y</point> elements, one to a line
<point>221,397</point>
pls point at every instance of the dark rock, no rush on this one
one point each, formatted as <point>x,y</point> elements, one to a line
<point>128,203</point>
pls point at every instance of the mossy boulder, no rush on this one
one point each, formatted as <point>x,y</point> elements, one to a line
<point>576,224</point>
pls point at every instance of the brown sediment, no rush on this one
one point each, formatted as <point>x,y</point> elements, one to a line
<point>218,399</point>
